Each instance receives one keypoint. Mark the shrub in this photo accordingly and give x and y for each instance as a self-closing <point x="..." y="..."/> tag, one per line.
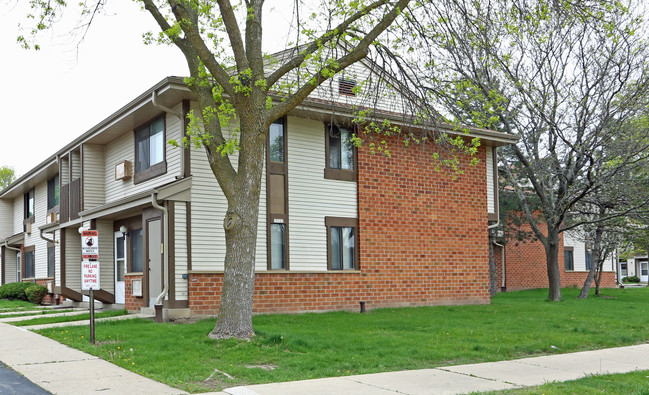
<point x="36" y="293"/>
<point x="631" y="279"/>
<point x="14" y="291"/>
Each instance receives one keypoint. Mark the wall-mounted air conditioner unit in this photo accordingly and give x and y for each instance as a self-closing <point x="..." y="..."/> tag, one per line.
<point x="50" y="286"/>
<point x="123" y="170"/>
<point x="28" y="228"/>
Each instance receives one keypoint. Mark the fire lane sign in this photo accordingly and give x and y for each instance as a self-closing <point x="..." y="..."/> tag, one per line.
<point x="89" y="275"/>
<point x="90" y="244"/>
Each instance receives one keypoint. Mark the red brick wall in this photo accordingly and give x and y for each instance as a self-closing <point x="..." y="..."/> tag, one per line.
<point x="50" y="298"/>
<point x="132" y="303"/>
<point x="526" y="268"/>
<point x="422" y="239"/>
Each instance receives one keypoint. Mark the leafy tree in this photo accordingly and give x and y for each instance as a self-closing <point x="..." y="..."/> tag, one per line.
<point x="7" y="176"/>
<point x="240" y="91"/>
<point x="566" y="77"/>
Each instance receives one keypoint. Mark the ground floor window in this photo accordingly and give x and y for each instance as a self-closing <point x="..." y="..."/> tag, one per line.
<point x="644" y="269"/>
<point x="29" y="263"/>
<point x="277" y="246"/>
<point x="623" y="268"/>
<point x="569" y="260"/>
<point x="50" y="260"/>
<point x="342" y="251"/>
<point x="136" y="251"/>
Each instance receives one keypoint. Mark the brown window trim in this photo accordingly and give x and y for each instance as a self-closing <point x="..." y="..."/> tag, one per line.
<point x="343" y="222"/>
<point x="283" y="219"/>
<point x="572" y="249"/>
<point x="159" y="168"/>
<point x="23" y="262"/>
<point x="152" y="172"/>
<point x="338" y="174"/>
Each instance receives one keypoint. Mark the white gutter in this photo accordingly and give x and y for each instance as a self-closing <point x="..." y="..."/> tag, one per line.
<point x="502" y="257"/>
<point x="154" y="102"/>
<point x="165" y="246"/>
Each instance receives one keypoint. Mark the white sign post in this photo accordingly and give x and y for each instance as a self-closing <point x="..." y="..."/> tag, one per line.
<point x="90" y="271"/>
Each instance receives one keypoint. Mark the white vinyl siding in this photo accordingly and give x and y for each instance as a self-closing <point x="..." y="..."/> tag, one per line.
<point x="579" y="250"/>
<point x="123" y="148"/>
<point x="489" y="161"/>
<point x="93" y="176"/>
<point x="207" y="212"/>
<point x="10" y="266"/>
<point x="311" y="197"/>
<point x="57" y="258"/>
<point x="34" y="239"/>
<point x="180" y="246"/>
<point x="19" y="215"/>
<point x="6" y="219"/>
<point x="106" y="255"/>
<point x="73" y="259"/>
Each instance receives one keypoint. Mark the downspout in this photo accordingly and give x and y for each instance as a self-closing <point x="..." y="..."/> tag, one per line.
<point x="46" y="239"/>
<point x="502" y="257"/>
<point x="154" y="102"/>
<point x="11" y="248"/>
<point x="165" y="258"/>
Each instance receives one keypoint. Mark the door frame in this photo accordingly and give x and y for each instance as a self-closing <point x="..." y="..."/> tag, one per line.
<point x="148" y="215"/>
<point x="116" y="236"/>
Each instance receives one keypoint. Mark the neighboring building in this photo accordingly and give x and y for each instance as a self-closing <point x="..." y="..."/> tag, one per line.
<point x="637" y="265"/>
<point x="526" y="268"/>
<point x="337" y="226"/>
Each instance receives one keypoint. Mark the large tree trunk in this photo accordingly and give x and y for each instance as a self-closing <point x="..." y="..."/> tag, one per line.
<point x="240" y="224"/>
<point x="594" y="263"/>
<point x="552" y="262"/>
<point x="493" y="274"/>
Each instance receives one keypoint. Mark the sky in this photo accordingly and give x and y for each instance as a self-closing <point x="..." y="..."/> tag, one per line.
<point x="54" y="95"/>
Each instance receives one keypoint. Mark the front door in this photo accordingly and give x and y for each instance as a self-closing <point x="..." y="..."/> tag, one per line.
<point x="120" y="267"/>
<point x="154" y="240"/>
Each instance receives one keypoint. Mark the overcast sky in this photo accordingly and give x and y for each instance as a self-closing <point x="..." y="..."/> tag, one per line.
<point x="54" y="95"/>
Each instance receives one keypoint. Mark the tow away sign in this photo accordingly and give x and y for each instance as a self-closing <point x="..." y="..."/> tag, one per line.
<point x="89" y="275"/>
<point x="90" y="244"/>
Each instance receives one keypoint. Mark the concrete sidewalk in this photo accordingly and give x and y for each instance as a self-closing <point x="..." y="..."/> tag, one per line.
<point x="63" y="370"/>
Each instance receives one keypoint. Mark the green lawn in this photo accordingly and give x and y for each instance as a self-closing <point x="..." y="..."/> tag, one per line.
<point x="304" y="346"/>
<point x="17" y="305"/>
<point x="634" y="383"/>
<point x="68" y="318"/>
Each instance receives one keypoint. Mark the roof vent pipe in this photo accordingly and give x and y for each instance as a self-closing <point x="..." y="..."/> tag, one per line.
<point x="154" y="102"/>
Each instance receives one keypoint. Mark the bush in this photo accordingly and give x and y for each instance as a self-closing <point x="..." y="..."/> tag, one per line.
<point x="13" y="291"/>
<point x="36" y="293"/>
<point x="632" y="279"/>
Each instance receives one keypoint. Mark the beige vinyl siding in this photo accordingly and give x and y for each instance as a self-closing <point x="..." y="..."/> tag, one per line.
<point x="579" y="252"/>
<point x="73" y="259"/>
<point x="489" y="161"/>
<point x="18" y="214"/>
<point x="34" y="239"/>
<point x="207" y="212"/>
<point x="106" y="255"/>
<point x="93" y="176"/>
<point x="123" y="148"/>
<point x="311" y="197"/>
<point x="6" y="219"/>
<point x="180" y="248"/>
<point x="76" y="165"/>
<point x="10" y="266"/>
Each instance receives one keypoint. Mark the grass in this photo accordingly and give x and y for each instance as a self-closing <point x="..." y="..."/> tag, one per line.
<point x="68" y="318"/>
<point x="634" y="383"/>
<point x="17" y="305"/>
<point x="305" y="346"/>
<point x="25" y="313"/>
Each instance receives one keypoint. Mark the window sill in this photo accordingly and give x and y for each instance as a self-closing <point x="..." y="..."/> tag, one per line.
<point x="338" y="174"/>
<point x="152" y="172"/>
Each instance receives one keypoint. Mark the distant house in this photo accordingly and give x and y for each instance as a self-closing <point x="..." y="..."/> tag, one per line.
<point x="525" y="264"/>
<point x="337" y="225"/>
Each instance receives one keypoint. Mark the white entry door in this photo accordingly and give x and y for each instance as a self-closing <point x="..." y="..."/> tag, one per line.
<point x="120" y="267"/>
<point x="155" y="260"/>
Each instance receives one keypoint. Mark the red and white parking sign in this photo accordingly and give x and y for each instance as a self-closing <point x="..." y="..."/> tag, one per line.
<point x="89" y="275"/>
<point x="90" y="244"/>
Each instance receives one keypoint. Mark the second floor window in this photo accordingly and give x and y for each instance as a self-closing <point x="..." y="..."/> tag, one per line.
<point x="53" y="192"/>
<point x="29" y="204"/>
<point x="150" y="150"/>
